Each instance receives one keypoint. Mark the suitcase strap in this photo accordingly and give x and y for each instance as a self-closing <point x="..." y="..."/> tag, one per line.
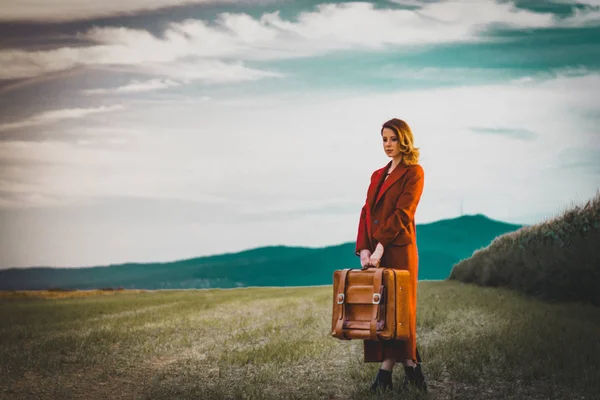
<point x="341" y="301"/>
<point x="377" y="298"/>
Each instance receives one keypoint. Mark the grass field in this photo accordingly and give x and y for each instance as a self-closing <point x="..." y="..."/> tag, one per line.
<point x="274" y="343"/>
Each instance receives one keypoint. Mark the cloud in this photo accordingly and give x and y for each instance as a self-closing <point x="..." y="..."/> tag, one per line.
<point x="408" y="3"/>
<point x="588" y="15"/>
<point x="436" y="75"/>
<point x="241" y="37"/>
<point x="595" y="3"/>
<point x="520" y="134"/>
<point x="582" y="17"/>
<point x="49" y="117"/>
<point x="585" y="160"/>
<point x="244" y="145"/>
<point x="22" y="64"/>
<point x="81" y="132"/>
<point x="262" y="169"/>
<point x="208" y="71"/>
<point x="71" y="10"/>
<point x="136" y="87"/>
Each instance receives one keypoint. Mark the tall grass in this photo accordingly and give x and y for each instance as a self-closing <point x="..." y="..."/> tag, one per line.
<point x="558" y="259"/>
<point x="275" y="343"/>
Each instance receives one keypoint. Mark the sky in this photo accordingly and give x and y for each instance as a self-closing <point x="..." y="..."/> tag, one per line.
<point x="159" y="130"/>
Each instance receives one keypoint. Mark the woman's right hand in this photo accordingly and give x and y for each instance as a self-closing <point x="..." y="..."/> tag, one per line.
<point x="365" y="258"/>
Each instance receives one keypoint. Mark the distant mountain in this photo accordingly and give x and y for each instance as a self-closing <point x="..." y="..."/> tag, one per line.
<point x="444" y="243"/>
<point x="441" y="245"/>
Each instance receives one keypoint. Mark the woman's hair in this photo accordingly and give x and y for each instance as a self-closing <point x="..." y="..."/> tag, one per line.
<point x="405" y="137"/>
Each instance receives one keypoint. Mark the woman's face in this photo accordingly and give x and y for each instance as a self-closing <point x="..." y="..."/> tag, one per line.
<point x="391" y="144"/>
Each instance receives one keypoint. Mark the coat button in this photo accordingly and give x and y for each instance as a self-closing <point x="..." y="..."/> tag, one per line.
<point x="376" y="221"/>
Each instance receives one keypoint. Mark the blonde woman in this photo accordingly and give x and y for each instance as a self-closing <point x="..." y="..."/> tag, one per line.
<point x="387" y="237"/>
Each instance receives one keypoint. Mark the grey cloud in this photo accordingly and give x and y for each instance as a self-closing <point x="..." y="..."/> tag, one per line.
<point x="136" y="87"/>
<point x="71" y="10"/>
<point x="330" y="27"/>
<point x="584" y="159"/>
<point x="49" y="117"/>
<point x="78" y="134"/>
<point x="515" y="133"/>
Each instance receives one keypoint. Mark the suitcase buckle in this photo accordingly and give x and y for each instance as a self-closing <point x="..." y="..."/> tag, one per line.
<point x="376" y="298"/>
<point x="340" y="299"/>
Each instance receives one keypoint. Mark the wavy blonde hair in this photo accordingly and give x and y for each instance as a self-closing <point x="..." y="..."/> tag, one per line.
<point x="410" y="153"/>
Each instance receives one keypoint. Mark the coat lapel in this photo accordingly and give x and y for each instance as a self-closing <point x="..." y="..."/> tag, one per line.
<point x="396" y="174"/>
<point x="371" y="200"/>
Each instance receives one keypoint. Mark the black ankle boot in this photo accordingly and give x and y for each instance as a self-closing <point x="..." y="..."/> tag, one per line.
<point x="414" y="376"/>
<point x="383" y="380"/>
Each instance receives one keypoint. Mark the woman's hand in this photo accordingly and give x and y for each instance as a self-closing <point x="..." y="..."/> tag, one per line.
<point x="365" y="255"/>
<point x="376" y="256"/>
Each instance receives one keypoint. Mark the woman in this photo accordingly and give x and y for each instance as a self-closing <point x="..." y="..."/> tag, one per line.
<point x="387" y="237"/>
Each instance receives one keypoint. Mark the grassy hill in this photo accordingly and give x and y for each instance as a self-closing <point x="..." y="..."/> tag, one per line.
<point x="558" y="259"/>
<point x="441" y="245"/>
<point x="273" y="343"/>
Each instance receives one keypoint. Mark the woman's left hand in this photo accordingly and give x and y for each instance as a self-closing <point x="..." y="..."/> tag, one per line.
<point x="377" y="254"/>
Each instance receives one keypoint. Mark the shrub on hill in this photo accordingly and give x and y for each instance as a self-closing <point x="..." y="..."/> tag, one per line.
<point x="558" y="259"/>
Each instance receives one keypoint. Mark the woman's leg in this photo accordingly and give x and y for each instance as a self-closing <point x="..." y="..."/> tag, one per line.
<point x="388" y="364"/>
<point x="409" y="363"/>
<point x="383" y="379"/>
<point x="414" y="374"/>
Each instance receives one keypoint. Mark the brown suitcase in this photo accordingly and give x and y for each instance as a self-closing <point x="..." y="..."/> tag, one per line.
<point x="371" y="304"/>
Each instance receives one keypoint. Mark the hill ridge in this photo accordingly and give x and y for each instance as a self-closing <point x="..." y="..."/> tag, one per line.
<point x="441" y="244"/>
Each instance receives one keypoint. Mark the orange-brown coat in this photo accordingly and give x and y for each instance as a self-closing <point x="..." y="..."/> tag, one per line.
<point x="388" y="218"/>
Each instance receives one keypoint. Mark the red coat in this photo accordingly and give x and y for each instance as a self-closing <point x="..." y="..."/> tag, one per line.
<point x="388" y="218"/>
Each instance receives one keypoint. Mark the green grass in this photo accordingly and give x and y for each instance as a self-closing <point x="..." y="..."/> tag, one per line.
<point x="274" y="343"/>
